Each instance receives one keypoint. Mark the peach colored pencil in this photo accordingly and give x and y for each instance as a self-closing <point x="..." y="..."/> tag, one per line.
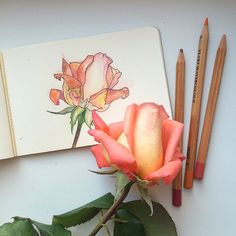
<point x="210" y="109"/>
<point x="196" y="106"/>
<point x="179" y="116"/>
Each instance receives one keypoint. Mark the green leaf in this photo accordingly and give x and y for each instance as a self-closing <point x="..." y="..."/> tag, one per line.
<point x="121" y="182"/>
<point x="64" y="111"/>
<point x="51" y="230"/>
<point x="76" y="115"/>
<point x="106" y="172"/>
<point x="127" y="224"/>
<point x="159" y="224"/>
<point x="88" y="118"/>
<point x="19" y="227"/>
<point x="84" y="213"/>
<point x="146" y="197"/>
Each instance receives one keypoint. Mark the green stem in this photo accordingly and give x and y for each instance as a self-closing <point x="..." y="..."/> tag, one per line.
<point x="111" y="211"/>
<point x="77" y="134"/>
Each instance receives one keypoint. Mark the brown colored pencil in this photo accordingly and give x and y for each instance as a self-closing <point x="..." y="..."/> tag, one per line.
<point x="210" y="109"/>
<point x="179" y="116"/>
<point x="196" y="106"/>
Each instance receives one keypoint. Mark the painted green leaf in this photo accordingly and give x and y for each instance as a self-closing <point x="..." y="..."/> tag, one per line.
<point x="76" y="115"/>
<point x="159" y="224"/>
<point x="84" y="213"/>
<point x="88" y="118"/>
<point x="19" y="227"/>
<point x="51" y="230"/>
<point x="127" y="224"/>
<point x="64" y="111"/>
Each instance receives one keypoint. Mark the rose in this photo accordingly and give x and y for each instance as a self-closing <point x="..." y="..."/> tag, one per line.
<point x="144" y="145"/>
<point x="89" y="84"/>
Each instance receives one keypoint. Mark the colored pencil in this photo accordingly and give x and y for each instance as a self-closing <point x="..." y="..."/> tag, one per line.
<point x="196" y="106"/>
<point x="210" y="109"/>
<point x="179" y="116"/>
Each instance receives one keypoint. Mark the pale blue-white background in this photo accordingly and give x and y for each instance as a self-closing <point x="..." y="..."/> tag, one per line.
<point x="42" y="185"/>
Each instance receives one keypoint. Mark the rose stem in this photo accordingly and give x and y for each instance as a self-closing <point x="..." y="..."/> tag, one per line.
<point x="111" y="210"/>
<point x="77" y="134"/>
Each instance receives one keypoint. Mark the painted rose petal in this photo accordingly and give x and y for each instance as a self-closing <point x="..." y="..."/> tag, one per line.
<point x="113" y="95"/>
<point x="98" y="152"/>
<point x="66" y="67"/>
<point x="74" y="68"/>
<point x="81" y="72"/>
<point x="96" y="75"/>
<point x="112" y="77"/>
<point x="99" y="123"/>
<point x="171" y="133"/>
<point x="98" y="99"/>
<point x="168" y="172"/>
<point x="55" y="95"/>
<point x="120" y="156"/>
<point x="69" y="80"/>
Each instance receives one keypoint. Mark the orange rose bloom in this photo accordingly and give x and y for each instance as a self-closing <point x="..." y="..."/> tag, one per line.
<point x="143" y="145"/>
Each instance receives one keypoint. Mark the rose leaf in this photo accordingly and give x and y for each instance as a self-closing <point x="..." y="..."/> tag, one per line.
<point x="84" y="213"/>
<point x="158" y="224"/>
<point x="126" y="224"/>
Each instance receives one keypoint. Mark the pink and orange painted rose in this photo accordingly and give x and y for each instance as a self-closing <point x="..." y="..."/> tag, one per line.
<point x="89" y="84"/>
<point x="143" y="145"/>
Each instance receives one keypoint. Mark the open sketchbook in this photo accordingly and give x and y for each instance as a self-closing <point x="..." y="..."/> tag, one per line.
<point x="47" y="91"/>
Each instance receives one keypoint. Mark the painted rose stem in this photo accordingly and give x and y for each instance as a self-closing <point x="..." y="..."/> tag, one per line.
<point x="77" y="133"/>
<point x="112" y="210"/>
<point x="89" y="85"/>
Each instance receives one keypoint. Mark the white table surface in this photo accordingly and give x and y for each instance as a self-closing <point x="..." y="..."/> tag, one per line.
<point x="42" y="185"/>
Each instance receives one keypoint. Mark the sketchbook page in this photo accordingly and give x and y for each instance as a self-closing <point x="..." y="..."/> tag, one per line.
<point x="118" y="69"/>
<point x="6" y="149"/>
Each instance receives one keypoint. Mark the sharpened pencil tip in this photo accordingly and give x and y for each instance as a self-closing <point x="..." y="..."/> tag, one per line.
<point x="206" y="21"/>
<point x="181" y="50"/>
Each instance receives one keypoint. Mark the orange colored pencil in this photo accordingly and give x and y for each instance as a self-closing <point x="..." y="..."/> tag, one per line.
<point x="210" y="109"/>
<point x="179" y="116"/>
<point x="196" y="106"/>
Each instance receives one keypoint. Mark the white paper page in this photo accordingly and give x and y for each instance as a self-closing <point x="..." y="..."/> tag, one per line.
<point x="6" y="150"/>
<point x="30" y="76"/>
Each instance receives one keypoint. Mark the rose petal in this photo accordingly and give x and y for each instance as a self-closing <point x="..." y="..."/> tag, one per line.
<point x="168" y="172"/>
<point x="74" y="68"/>
<point x="99" y="123"/>
<point x="98" y="152"/>
<point x="119" y="155"/>
<point x="171" y="134"/>
<point x="66" y="67"/>
<point x="116" y="129"/>
<point x="129" y="122"/>
<point x="112" y="77"/>
<point x="98" y="99"/>
<point x="96" y="75"/>
<point x="69" y="80"/>
<point x="147" y="148"/>
<point x="81" y="72"/>
<point x="55" y="95"/>
<point x="113" y="95"/>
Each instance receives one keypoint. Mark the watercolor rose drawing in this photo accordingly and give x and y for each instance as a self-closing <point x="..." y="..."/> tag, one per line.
<point x="88" y="86"/>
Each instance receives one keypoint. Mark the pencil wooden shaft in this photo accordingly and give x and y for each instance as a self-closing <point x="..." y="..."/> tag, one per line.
<point x="196" y="107"/>
<point x="179" y="99"/>
<point x="211" y="103"/>
<point x="179" y="116"/>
